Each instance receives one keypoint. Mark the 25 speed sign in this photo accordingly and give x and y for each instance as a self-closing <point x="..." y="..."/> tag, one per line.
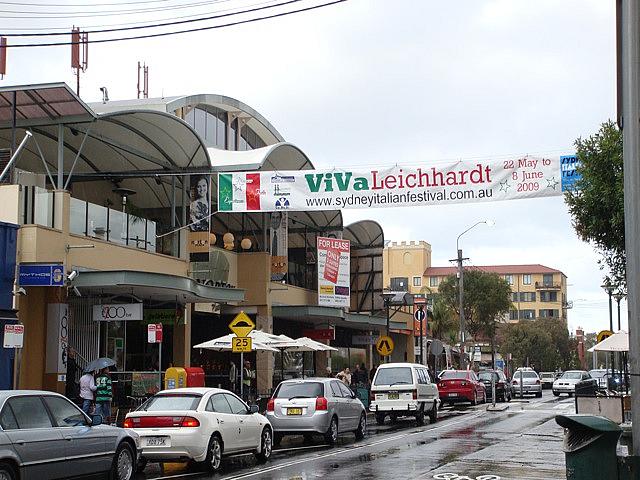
<point x="241" y="344"/>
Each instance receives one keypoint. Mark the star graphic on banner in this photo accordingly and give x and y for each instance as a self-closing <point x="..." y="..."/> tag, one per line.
<point x="552" y="182"/>
<point x="504" y="186"/>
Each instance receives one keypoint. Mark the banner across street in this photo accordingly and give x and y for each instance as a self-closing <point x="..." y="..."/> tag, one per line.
<point x="455" y="182"/>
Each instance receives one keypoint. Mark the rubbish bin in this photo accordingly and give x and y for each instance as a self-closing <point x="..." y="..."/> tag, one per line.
<point x="590" y="446"/>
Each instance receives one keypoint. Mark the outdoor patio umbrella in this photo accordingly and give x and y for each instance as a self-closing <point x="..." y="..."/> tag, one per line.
<point x="317" y="346"/>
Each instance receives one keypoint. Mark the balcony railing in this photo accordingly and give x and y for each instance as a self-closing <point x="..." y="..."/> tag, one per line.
<point x="548" y="286"/>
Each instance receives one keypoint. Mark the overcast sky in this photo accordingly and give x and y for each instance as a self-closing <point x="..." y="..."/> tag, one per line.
<point x="394" y="81"/>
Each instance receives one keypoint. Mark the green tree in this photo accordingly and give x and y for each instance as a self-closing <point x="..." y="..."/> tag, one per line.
<point x="443" y="321"/>
<point x="597" y="203"/>
<point x="487" y="299"/>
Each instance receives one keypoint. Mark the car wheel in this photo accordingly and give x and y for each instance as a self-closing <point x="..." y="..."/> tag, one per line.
<point x="380" y="418"/>
<point x="556" y="394"/>
<point x="123" y="463"/>
<point x="7" y="472"/>
<point x="420" y="416"/>
<point x="474" y="402"/>
<point x="433" y="413"/>
<point x="266" y="445"/>
<point x="362" y="427"/>
<point x="140" y="466"/>
<point x="393" y="417"/>
<point x="214" y="454"/>
<point x="277" y="439"/>
<point x="331" y="436"/>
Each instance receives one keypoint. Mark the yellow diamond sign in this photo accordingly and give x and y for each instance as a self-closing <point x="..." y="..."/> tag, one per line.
<point x="384" y="345"/>
<point x="242" y="325"/>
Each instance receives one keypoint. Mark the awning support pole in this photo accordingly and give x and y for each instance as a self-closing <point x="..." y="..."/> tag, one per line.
<point x="60" y="184"/>
<point x="73" y="166"/>
<point x="13" y="158"/>
<point x="44" y="162"/>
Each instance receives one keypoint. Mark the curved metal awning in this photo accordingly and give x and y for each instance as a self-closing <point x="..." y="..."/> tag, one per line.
<point x="365" y="234"/>
<point x="321" y="315"/>
<point x="281" y="156"/>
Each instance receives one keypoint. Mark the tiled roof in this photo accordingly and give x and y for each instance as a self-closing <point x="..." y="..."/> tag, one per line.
<point x="500" y="269"/>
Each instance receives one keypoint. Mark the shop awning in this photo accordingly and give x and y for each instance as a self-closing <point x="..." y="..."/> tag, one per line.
<point x="153" y="286"/>
<point x="334" y="316"/>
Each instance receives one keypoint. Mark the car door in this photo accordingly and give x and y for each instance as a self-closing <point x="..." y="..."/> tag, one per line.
<point x="225" y="422"/>
<point x="249" y="427"/>
<point x="351" y="412"/>
<point x="336" y="401"/>
<point x="39" y="445"/>
<point x="85" y="446"/>
<point x="430" y="387"/>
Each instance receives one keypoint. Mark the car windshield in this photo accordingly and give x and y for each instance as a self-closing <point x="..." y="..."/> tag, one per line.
<point x="171" y="402"/>
<point x="300" y="390"/>
<point x="452" y="374"/>
<point x="394" y="376"/>
<point x="597" y="373"/>
<point x="487" y="376"/>
<point x="572" y="375"/>
<point x="525" y="374"/>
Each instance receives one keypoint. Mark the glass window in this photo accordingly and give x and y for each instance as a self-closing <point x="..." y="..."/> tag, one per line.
<point x="30" y="412"/>
<point x="509" y="279"/>
<point x="394" y="376"/>
<point x="221" y="129"/>
<point x="335" y="389"/>
<point x="77" y="216"/>
<point x="527" y="296"/>
<point x="172" y="402"/>
<point x="526" y="279"/>
<point x="513" y="314"/>
<point x="547" y="279"/>
<point x="453" y="374"/>
<point x="232" y="136"/>
<point x="300" y="390"/>
<point x="346" y="393"/>
<point x="238" y="407"/>
<point x="117" y="227"/>
<point x="548" y="296"/>
<point x="137" y="232"/>
<point x="64" y="413"/>
<point x="417" y="281"/>
<point x="219" y="404"/>
<point x="7" y="419"/>
<point x="527" y="314"/>
<point x="96" y="221"/>
<point x="488" y="375"/>
<point x="433" y="281"/>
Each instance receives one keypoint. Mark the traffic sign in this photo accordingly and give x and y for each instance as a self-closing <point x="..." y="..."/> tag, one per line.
<point x="384" y="345"/>
<point x="419" y="315"/>
<point x="241" y="344"/>
<point x="242" y="325"/>
<point x="604" y="334"/>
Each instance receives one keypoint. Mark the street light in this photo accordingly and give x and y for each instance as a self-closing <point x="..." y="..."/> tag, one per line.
<point x="619" y="296"/>
<point x="387" y="296"/>
<point x="459" y="259"/>
<point x="609" y="288"/>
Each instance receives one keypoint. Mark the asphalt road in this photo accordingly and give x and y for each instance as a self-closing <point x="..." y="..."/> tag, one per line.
<point x="522" y="442"/>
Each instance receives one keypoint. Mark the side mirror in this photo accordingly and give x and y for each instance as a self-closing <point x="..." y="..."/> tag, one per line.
<point x="254" y="409"/>
<point x="96" y="420"/>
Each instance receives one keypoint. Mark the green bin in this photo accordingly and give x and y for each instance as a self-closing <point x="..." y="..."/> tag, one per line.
<point x="590" y="446"/>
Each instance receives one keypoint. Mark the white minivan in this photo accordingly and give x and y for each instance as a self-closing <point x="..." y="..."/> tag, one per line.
<point x="403" y="389"/>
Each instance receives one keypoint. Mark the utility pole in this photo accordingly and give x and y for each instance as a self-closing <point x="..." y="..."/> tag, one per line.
<point x="461" y="307"/>
<point x="630" y="59"/>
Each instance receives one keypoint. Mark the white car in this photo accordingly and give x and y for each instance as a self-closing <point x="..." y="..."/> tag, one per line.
<point x="200" y="424"/>
<point x="402" y="389"/>
<point x="567" y="382"/>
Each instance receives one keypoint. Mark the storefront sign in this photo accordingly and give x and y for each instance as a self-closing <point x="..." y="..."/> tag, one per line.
<point x="320" y="334"/>
<point x="13" y="336"/>
<point x="41" y="275"/>
<point x="334" y="266"/>
<point x="363" y="340"/>
<point x="116" y="312"/>
<point x="154" y="333"/>
<point x="446" y="183"/>
<point x="57" y="337"/>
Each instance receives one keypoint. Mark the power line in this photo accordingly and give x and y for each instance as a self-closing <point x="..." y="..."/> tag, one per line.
<point x="31" y="4"/>
<point x="164" y="34"/>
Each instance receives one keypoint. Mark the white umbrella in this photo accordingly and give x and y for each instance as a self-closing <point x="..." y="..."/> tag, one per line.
<point x="618" y="342"/>
<point x="316" y="346"/>
<point x="224" y="343"/>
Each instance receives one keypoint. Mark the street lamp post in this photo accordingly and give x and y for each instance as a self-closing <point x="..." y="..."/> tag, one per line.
<point x="618" y="296"/>
<point x="386" y="297"/>
<point x="459" y="260"/>
<point x="609" y="288"/>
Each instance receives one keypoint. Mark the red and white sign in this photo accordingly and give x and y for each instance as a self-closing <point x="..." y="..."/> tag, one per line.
<point x="419" y="300"/>
<point x="320" y="334"/>
<point x="13" y="336"/>
<point x="154" y="333"/>
<point x="334" y="264"/>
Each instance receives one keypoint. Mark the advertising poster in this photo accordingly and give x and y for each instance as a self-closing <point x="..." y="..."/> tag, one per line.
<point x="333" y="272"/>
<point x="279" y="238"/>
<point x="57" y="337"/>
<point x="199" y="213"/>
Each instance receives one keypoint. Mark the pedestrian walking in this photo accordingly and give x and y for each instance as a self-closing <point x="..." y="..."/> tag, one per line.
<point x="87" y="391"/>
<point x="345" y="376"/>
<point x="104" y="395"/>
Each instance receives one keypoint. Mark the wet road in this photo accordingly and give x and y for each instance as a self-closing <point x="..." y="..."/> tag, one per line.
<point x="522" y="442"/>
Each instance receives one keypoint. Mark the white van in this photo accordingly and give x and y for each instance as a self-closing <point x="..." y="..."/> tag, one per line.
<point x="403" y="389"/>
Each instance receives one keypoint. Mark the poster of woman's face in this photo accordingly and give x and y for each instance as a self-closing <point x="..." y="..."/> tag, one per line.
<point x="200" y="206"/>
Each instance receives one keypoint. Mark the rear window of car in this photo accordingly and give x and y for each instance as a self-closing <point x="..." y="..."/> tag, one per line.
<point x="526" y="374"/>
<point x="300" y="390"/>
<point x="488" y="375"/>
<point x="394" y="376"/>
<point x="449" y="375"/>
<point x="171" y="402"/>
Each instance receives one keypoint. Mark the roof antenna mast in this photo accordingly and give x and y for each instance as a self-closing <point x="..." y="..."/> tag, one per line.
<point x="79" y="53"/>
<point x="144" y="68"/>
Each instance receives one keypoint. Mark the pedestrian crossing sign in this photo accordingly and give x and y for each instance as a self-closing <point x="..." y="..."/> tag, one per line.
<point x="384" y="345"/>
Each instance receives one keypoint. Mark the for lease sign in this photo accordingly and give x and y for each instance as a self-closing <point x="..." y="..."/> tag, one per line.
<point x="333" y="272"/>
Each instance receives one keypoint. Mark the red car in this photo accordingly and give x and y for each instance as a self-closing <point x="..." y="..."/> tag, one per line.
<point x="461" y="386"/>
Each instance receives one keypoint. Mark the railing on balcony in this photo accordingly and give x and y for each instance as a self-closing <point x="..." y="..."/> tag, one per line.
<point x="548" y="286"/>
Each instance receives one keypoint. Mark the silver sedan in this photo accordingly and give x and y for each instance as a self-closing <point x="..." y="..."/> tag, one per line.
<point x="316" y="405"/>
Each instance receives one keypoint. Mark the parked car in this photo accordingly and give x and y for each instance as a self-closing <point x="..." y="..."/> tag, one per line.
<point x="547" y="379"/>
<point x="316" y="405"/>
<point x="526" y="380"/>
<point x="44" y="435"/>
<point x="504" y="392"/>
<point x="199" y="424"/>
<point x="404" y="389"/>
<point x="461" y="386"/>
<point x="600" y="375"/>
<point x="567" y="382"/>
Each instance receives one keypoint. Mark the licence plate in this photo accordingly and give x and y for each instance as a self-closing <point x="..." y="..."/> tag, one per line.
<point x="294" y="411"/>
<point x="453" y="394"/>
<point x="156" y="441"/>
<point x="393" y="396"/>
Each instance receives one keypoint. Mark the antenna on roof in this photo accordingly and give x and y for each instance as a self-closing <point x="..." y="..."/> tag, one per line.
<point x="79" y="56"/>
<point x="145" y="80"/>
<point x="3" y="57"/>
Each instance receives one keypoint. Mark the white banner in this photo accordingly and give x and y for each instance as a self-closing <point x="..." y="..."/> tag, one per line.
<point x="113" y="312"/>
<point x="455" y="182"/>
<point x="334" y="267"/>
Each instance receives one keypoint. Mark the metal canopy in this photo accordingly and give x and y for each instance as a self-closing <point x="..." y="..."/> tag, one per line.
<point x="335" y="316"/>
<point x="365" y="234"/>
<point x="43" y="104"/>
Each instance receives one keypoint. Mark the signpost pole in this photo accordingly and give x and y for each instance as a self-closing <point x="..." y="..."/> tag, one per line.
<point x="160" y="364"/>
<point x="242" y="375"/>
<point x="493" y="389"/>
<point x="423" y="357"/>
